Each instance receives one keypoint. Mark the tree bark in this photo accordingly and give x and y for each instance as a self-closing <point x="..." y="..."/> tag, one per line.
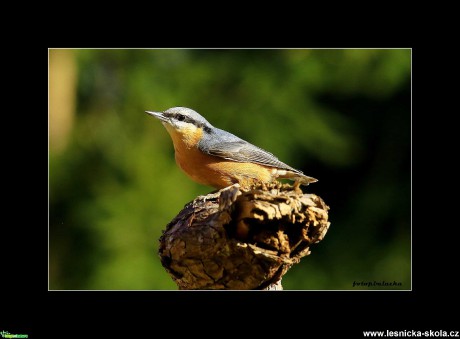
<point x="242" y="238"/>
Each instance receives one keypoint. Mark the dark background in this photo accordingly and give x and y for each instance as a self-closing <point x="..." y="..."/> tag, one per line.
<point x="342" y="116"/>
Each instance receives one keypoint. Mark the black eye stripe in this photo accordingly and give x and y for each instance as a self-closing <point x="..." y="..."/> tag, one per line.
<point x="169" y="115"/>
<point x="178" y="116"/>
<point x="186" y="118"/>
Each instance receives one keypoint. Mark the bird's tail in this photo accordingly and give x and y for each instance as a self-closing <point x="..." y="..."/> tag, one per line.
<point x="306" y="180"/>
<point x="299" y="177"/>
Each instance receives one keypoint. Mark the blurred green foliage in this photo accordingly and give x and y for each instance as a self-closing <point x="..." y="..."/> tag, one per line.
<point x="342" y="116"/>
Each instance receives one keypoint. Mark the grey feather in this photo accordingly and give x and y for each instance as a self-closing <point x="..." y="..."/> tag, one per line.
<point x="228" y="146"/>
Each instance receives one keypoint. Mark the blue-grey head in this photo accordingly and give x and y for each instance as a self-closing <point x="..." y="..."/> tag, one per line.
<point x="180" y="118"/>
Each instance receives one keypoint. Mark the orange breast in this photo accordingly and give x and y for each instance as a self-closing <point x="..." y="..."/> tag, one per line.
<point x="220" y="173"/>
<point x="214" y="171"/>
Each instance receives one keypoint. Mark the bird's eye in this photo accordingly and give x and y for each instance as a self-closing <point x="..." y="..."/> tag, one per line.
<point x="180" y="117"/>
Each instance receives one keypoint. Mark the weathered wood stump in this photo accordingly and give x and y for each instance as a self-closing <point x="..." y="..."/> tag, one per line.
<point x="242" y="239"/>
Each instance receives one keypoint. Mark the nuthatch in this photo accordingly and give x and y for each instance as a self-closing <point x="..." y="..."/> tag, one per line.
<point x="217" y="158"/>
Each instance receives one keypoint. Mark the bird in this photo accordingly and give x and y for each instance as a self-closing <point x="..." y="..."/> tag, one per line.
<point x="217" y="158"/>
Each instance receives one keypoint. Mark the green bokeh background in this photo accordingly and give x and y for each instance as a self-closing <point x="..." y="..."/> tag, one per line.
<point x="342" y="116"/>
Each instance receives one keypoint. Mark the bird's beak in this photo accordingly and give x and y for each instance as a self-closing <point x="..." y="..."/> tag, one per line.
<point x="158" y="115"/>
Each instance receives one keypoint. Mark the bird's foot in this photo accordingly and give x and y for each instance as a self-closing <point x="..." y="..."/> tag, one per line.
<point x="217" y="194"/>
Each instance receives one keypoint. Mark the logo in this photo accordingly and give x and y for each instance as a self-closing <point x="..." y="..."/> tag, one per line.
<point x="6" y="334"/>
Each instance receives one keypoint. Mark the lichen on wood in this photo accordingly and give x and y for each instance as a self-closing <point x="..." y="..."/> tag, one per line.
<point x="242" y="238"/>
